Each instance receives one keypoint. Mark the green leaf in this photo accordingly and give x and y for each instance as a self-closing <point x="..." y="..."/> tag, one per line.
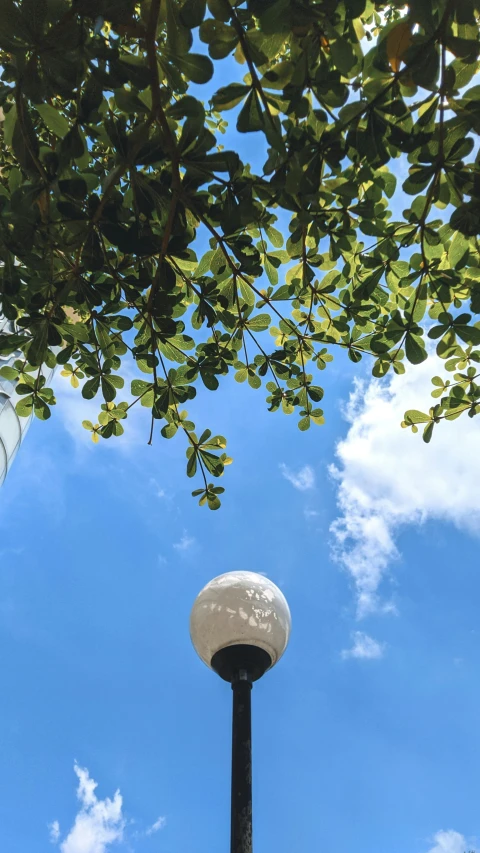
<point x="192" y="13"/>
<point x="241" y="375"/>
<point x="259" y="323"/>
<point x="90" y="388"/>
<point x="75" y="187"/>
<point x="420" y="302"/>
<point x="41" y="409"/>
<point x="427" y="432"/>
<point x="466" y="219"/>
<point x="198" y="68"/>
<point x="53" y="119"/>
<point x="250" y="117"/>
<point x="104" y="339"/>
<point x="92" y="253"/>
<point x="415" y="349"/>
<point x="458" y="250"/>
<point x="117" y="381"/>
<point x="9" y="125"/>
<point x="109" y="390"/>
<point x="219" y="9"/>
<point x="72" y="146"/>
<point x="461" y="73"/>
<point x="9" y="373"/>
<point x="247" y="293"/>
<point x="13" y="26"/>
<point x="24" y="406"/>
<point x="213" y="502"/>
<point x="35" y="12"/>
<point x="468" y="334"/>
<point x="192" y="465"/>
<point x="177" y="34"/>
<point x="37" y="349"/>
<point x="413" y="416"/>
<point x="228" y="97"/>
<point x="169" y="430"/>
<point x="220" y="37"/>
<point x="10" y="343"/>
<point x="275" y="237"/>
<point x="343" y="55"/>
<point x="139" y="386"/>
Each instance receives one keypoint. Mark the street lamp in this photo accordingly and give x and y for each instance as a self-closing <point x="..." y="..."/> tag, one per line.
<point x="240" y="625"/>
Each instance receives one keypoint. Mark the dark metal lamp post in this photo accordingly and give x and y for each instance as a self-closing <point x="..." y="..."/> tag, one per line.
<point x="240" y="625"/>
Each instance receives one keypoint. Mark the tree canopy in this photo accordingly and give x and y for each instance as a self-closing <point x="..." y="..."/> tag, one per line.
<point x="127" y="230"/>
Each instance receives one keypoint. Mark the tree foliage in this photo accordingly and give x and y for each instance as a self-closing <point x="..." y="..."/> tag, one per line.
<point x="128" y="231"/>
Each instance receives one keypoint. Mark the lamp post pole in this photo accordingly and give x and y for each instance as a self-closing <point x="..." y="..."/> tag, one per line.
<point x="241" y="825"/>
<point x="240" y="625"/>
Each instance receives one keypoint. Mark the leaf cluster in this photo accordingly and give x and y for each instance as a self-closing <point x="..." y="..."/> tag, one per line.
<point x="127" y="231"/>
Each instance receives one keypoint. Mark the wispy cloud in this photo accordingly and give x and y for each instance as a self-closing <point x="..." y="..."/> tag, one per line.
<point x="98" y="823"/>
<point x="12" y="552"/>
<point x="386" y="477"/>
<point x="450" y="841"/>
<point x="303" y="480"/>
<point x="155" y="827"/>
<point x="158" y="491"/>
<point x="184" y="543"/>
<point x="364" y="648"/>
<point x="54" y="830"/>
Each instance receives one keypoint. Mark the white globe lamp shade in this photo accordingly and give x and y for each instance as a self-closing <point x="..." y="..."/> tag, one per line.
<point x="240" y="620"/>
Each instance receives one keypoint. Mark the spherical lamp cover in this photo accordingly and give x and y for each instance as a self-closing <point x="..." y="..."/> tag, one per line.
<point x="240" y="608"/>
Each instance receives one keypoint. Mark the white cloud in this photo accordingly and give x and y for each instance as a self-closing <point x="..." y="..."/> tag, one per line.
<point x="54" y="829"/>
<point x="303" y="480"/>
<point x="155" y="827"/>
<point x="364" y="647"/>
<point x="310" y="513"/>
<point x="185" y="542"/>
<point x="449" y="841"/>
<point x="98" y="824"/>
<point x="388" y="477"/>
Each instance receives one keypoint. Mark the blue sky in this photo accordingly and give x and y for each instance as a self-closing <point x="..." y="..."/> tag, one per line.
<point x="365" y="735"/>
